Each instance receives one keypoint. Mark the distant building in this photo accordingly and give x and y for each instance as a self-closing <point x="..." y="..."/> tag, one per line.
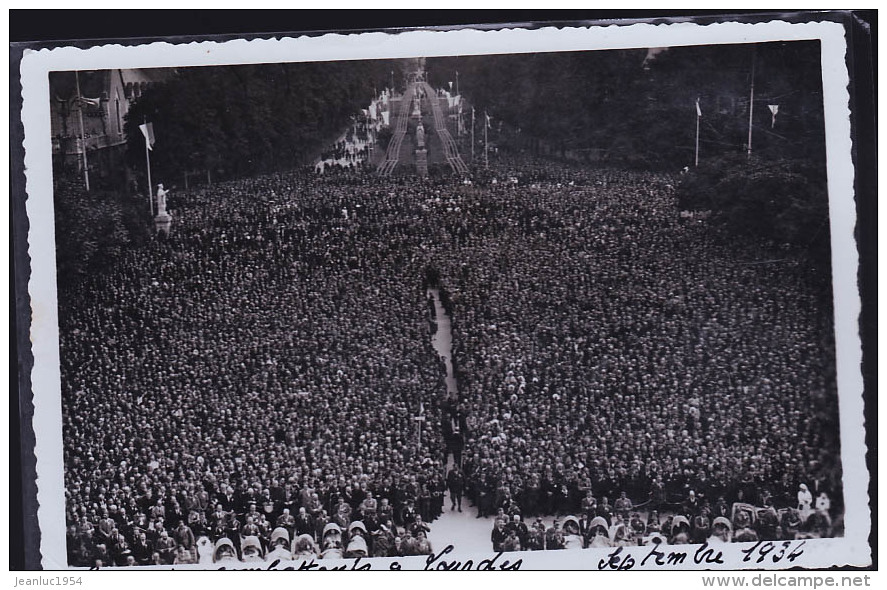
<point x="105" y="98"/>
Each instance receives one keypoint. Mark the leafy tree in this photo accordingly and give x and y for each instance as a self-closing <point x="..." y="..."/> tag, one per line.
<point x="638" y="108"/>
<point x="242" y="120"/>
<point x="781" y="200"/>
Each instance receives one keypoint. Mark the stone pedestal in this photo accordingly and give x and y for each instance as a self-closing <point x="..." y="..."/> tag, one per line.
<point x="163" y="222"/>
<point x="422" y="162"/>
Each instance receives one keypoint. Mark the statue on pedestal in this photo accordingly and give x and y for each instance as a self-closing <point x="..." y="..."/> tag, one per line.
<point x="163" y="220"/>
<point x="420" y="136"/>
<point x="161" y="200"/>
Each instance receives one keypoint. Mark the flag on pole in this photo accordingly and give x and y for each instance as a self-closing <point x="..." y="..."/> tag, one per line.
<point x="698" y="109"/>
<point x="489" y="126"/>
<point x="93" y="102"/>
<point x="148" y="131"/>
<point x="774" y="108"/>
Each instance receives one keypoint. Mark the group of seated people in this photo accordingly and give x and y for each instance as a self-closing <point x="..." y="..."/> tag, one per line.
<point x="695" y="521"/>
<point x="233" y="528"/>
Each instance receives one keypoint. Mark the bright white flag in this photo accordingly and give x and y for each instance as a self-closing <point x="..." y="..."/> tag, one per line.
<point x="774" y="108"/>
<point x="147" y="130"/>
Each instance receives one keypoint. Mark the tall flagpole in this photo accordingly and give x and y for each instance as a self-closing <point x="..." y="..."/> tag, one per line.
<point x="472" y="135"/>
<point x="82" y="135"/>
<point x="148" y="161"/>
<point x="486" y="146"/>
<point x="698" y="116"/>
<point x="751" y="99"/>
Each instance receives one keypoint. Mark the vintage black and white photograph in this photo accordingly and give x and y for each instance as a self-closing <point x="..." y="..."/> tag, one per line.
<point x="527" y="302"/>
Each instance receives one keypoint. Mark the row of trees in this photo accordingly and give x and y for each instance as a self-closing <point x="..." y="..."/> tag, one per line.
<point x="637" y="106"/>
<point x="236" y="121"/>
<point x="223" y="122"/>
<point x="628" y="107"/>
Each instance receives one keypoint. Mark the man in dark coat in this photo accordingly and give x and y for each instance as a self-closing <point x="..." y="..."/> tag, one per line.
<point x="304" y="523"/>
<point x="456" y="487"/>
<point x="498" y="535"/>
<point x="408" y="513"/>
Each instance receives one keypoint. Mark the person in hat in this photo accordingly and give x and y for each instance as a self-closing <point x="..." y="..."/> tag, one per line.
<point x="383" y="540"/>
<point x="554" y="536"/>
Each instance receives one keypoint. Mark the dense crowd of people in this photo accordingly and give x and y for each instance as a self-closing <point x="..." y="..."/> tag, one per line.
<point x="607" y="343"/>
<point x="275" y="349"/>
<point x="267" y="371"/>
<point x="695" y="520"/>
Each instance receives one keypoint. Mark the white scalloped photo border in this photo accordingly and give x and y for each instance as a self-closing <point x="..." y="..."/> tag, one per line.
<point x="851" y="549"/>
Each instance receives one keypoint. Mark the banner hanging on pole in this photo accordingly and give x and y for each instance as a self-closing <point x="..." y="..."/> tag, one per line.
<point x="82" y="100"/>
<point x="147" y="130"/>
<point x="774" y="108"/>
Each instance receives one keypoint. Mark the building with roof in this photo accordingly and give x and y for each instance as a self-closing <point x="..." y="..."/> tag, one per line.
<point x="88" y="112"/>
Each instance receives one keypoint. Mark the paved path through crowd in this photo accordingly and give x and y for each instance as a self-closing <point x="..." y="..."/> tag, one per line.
<point x="463" y="529"/>
<point x="442" y="340"/>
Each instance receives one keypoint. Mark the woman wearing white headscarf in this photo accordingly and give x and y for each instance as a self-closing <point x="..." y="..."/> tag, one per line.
<point x="805" y="501"/>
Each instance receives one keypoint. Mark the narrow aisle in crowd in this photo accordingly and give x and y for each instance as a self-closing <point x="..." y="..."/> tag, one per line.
<point x="463" y="530"/>
<point x="442" y="340"/>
